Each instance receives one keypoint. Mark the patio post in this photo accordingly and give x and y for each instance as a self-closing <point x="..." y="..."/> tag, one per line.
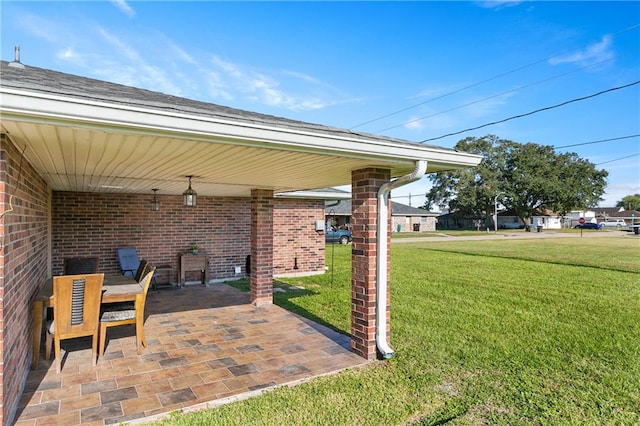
<point x="261" y="246"/>
<point x="365" y="184"/>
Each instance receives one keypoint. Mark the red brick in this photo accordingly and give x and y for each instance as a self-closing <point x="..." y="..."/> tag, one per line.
<point x="365" y="185"/>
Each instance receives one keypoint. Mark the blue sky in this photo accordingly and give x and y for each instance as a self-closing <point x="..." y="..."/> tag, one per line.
<point x="412" y="70"/>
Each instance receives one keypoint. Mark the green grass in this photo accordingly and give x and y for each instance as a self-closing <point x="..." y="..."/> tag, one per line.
<point x="485" y="332"/>
<point x="472" y="232"/>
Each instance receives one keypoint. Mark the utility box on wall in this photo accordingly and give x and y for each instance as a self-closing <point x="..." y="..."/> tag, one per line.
<point x="319" y="225"/>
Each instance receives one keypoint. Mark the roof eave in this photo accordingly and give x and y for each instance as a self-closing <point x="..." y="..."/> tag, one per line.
<point x="29" y="106"/>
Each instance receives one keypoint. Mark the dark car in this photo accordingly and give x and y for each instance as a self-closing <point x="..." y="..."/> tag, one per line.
<point x="334" y="235"/>
<point x="588" y="226"/>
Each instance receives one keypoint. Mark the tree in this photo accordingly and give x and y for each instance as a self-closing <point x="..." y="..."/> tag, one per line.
<point x="630" y="202"/>
<point x="471" y="192"/>
<point x="526" y="178"/>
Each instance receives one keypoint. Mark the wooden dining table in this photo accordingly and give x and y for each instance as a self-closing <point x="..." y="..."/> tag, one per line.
<point x="115" y="288"/>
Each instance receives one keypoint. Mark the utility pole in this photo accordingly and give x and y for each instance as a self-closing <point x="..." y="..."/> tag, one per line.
<point x="495" y="210"/>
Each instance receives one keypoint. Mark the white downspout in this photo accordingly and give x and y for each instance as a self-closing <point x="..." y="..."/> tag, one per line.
<point x="381" y="254"/>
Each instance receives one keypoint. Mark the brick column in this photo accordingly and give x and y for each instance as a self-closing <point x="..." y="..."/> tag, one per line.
<point x="364" y="197"/>
<point x="261" y="246"/>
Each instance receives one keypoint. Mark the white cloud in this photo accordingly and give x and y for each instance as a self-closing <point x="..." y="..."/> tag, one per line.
<point x="67" y="53"/>
<point x="155" y="62"/>
<point x="592" y="54"/>
<point x="468" y="112"/>
<point x="228" y="78"/>
<point x="484" y="107"/>
<point x="434" y="93"/>
<point x="127" y="66"/>
<point x="265" y="89"/>
<point x="43" y="28"/>
<point x="302" y="76"/>
<point x="498" y="4"/>
<point x="181" y="54"/>
<point x="216" y="86"/>
<point x="414" y="123"/>
<point x="617" y="192"/>
<point x="124" y="6"/>
<point x="122" y="48"/>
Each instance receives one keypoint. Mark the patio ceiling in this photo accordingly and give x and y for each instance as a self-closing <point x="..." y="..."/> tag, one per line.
<point x="92" y="136"/>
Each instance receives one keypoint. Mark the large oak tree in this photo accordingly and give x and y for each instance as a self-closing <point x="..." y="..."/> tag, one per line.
<point x="524" y="178"/>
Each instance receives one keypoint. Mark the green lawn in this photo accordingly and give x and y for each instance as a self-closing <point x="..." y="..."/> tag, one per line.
<point x="485" y="332"/>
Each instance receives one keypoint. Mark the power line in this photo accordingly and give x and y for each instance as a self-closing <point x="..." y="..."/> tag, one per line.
<point x="618" y="159"/>
<point x="534" y="112"/>
<point x="599" y="141"/>
<point x="494" y="96"/>
<point x="481" y="82"/>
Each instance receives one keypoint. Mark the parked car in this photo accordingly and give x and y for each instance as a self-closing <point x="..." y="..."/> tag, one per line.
<point x="335" y="235"/>
<point x="589" y="225"/>
<point x="614" y="223"/>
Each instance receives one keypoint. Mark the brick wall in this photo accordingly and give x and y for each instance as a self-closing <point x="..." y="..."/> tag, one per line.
<point x="299" y="249"/>
<point x="93" y="224"/>
<point x="23" y="267"/>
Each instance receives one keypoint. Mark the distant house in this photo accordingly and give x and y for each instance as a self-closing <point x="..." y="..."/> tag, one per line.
<point x="506" y="220"/>
<point x="403" y="218"/>
<point x="546" y="219"/>
<point x="542" y="219"/>
<point x="574" y="216"/>
<point x="406" y="218"/>
<point x="601" y="214"/>
<point x="454" y="220"/>
<point x="629" y="216"/>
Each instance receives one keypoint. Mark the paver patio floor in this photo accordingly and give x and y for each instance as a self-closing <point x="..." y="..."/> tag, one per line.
<point x="205" y="345"/>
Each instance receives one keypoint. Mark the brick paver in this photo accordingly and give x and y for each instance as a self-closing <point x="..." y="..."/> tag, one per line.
<point x="205" y="344"/>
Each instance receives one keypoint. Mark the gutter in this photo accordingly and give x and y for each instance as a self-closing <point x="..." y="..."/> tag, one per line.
<point x="381" y="254"/>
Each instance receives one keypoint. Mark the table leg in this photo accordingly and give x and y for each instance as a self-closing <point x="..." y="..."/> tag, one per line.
<point x="37" y="310"/>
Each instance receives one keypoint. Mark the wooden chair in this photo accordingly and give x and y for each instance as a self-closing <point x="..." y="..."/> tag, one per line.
<point x="141" y="271"/>
<point x="115" y="314"/>
<point x="76" y="312"/>
<point x="80" y="265"/>
<point x="129" y="256"/>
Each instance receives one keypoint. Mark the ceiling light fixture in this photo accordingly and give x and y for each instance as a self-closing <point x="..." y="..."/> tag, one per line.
<point x="155" y="203"/>
<point x="190" y="195"/>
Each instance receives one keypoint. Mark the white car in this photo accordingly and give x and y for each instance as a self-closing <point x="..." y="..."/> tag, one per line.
<point x="614" y="223"/>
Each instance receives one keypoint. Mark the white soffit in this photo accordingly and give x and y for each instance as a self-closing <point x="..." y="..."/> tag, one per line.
<point x="83" y="145"/>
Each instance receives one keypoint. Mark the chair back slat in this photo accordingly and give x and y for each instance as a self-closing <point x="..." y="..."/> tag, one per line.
<point x="77" y="301"/>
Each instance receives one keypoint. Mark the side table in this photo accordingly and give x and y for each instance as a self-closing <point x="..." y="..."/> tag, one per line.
<point x="169" y="273"/>
<point x="190" y="262"/>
